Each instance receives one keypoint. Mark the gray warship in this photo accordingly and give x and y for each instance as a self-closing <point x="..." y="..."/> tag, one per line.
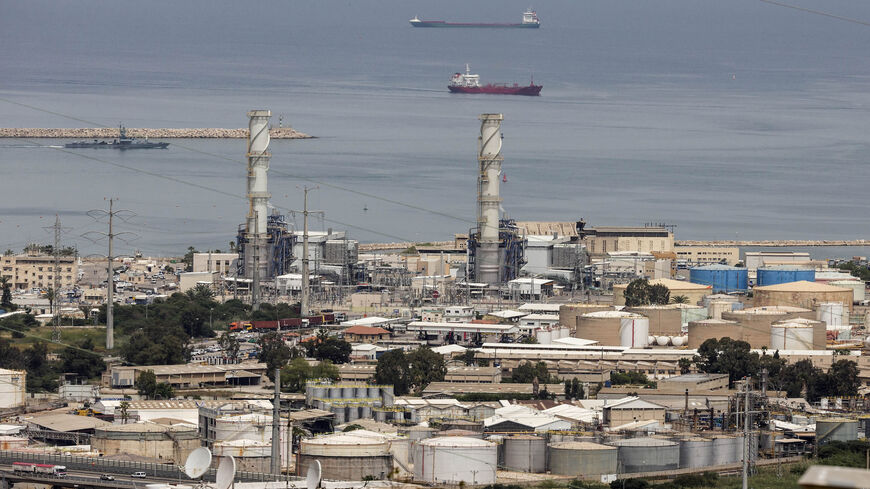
<point x="123" y="143"/>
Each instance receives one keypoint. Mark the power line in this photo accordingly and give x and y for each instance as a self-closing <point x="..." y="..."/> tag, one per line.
<point x="818" y="12"/>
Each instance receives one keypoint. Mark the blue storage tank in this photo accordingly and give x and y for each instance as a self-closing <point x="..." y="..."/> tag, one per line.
<point x="783" y="274"/>
<point x="723" y="278"/>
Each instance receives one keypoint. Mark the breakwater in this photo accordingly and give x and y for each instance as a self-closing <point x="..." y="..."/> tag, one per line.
<point x="778" y="243"/>
<point x="112" y="132"/>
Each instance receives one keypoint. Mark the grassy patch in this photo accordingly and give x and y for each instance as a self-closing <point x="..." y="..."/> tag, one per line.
<point x="69" y="336"/>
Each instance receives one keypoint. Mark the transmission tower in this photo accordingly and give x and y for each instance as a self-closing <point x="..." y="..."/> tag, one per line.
<point x="123" y="214"/>
<point x="55" y="282"/>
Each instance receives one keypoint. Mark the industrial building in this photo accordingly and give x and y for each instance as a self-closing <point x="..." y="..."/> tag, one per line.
<point x="694" y="256"/>
<point x="12" y="388"/>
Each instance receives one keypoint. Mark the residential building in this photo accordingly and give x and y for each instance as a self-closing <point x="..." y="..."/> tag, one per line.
<point x="365" y="334"/>
<point x="707" y="255"/>
<point x="222" y="263"/>
<point x="36" y="270"/>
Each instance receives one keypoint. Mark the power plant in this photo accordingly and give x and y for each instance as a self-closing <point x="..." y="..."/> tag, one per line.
<point x="264" y="242"/>
<point x="495" y="248"/>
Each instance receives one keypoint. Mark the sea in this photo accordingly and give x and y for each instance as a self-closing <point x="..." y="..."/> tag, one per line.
<point x="730" y="120"/>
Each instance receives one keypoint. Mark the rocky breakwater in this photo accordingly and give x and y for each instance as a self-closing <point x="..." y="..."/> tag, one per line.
<point x="112" y="132"/>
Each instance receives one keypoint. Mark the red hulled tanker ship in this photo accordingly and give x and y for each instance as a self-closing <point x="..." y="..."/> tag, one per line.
<point x="468" y="83"/>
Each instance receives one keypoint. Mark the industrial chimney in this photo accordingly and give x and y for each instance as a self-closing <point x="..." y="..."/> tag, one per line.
<point x="258" y="192"/>
<point x="488" y="201"/>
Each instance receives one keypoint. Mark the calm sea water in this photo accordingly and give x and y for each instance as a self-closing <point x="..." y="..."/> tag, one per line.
<point x="728" y="119"/>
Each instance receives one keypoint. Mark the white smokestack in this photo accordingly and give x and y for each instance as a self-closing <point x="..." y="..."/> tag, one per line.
<point x="488" y="200"/>
<point x="258" y="166"/>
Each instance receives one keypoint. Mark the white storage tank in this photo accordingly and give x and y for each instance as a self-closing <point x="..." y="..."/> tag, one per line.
<point x="634" y="331"/>
<point x="718" y="298"/>
<point x="455" y="459"/>
<point x="545" y="337"/>
<point x="716" y="308"/>
<point x="348" y="456"/>
<point x="791" y="336"/>
<point x="858" y="289"/>
<point x="696" y="452"/>
<point x="576" y="458"/>
<point x="647" y="454"/>
<point x="663" y="340"/>
<point x="525" y="453"/>
<point x="679" y="340"/>
<point x="836" y="429"/>
<point x="725" y="449"/>
<point x="831" y="313"/>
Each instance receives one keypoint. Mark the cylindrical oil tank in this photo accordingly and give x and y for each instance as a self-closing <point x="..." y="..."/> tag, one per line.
<point x="603" y="326"/>
<point x="380" y="415"/>
<point x="831" y="313"/>
<point x="723" y="278"/>
<point x="362" y="392"/>
<point x="578" y="458"/>
<point x="365" y="412"/>
<point x="725" y="449"/>
<point x="321" y="392"/>
<point x="791" y="336"/>
<point x="455" y="459"/>
<point x="374" y="392"/>
<point x="701" y="331"/>
<point x="755" y="324"/>
<point x="525" y="453"/>
<point x="864" y="425"/>
<point x="387" y="394"/>
<point x="352" y="413"/>
<point x="345" y="456"/>
<point x="689" y="312"/>
<point x="663" y="320"/>
<point x="348" y="392"/>
<point x="836" y="429"/>
<point x="339" y="411"/>
<point x="859" y="292"/>
<point x="647" y="454"/>
<point x="738" y="447"/>
<point x="544" y="336"/>
<point x="335" y="392"/>
<point x="718" y="298"/>
<point x="679" y="340"/>
<point x="718" y="307"/>
<point x="634" y="332"/>
<point x="564" y="332"/>
<point x="415" y="435"/>
<point x="569" y="314"/>
<point x="783" y="274"/>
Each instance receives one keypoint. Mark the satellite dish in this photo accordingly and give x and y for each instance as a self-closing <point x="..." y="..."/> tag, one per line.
<point x="312" y="480"/>
<point x="197" y="462"/>
<point x="226" y="473"/>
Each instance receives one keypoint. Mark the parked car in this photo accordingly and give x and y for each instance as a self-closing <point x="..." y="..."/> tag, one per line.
<point x="107" y="477"/>
<point x="138" y="475"/>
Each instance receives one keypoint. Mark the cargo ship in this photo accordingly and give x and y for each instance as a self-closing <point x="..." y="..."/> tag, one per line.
<point x="468" y="83"/>
<point x="530" y="21"/>
<point x="123" y="142"/>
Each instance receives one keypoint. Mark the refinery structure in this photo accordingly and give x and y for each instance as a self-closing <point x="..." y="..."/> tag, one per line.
<point x="514" y="352"/>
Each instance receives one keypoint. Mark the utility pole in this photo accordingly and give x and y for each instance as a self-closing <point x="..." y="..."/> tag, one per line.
<point x="110" y="282"/>
<point x="303" y="306"/>
<point x="746" y="440"/>
<point x="55" y="331"/>
<point x="276" y="427"/>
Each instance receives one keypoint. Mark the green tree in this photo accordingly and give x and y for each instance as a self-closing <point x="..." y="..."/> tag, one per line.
<point x="42" y="373"/>
<point x="685" y="365"/>
<point x="426" y="367"/>
<point x="727" y="356"/>
<point x="296" y="373"/>
<point x="680" y="299"/>
<point x="146" y="384"/>
<point x="82" y="360"/>
<point x="6" y="297"/>
<point x="273" y="352"/>
<point x="467" y="357"/>
<point x="230" y="346"/>
<point x="156" y="345"/>
<point x="188" y="259"/>
<point x="393" y="369"/>
<point x="640" y="292"/>
<point x="842" y="379"/>
<point x="527" y="372"/>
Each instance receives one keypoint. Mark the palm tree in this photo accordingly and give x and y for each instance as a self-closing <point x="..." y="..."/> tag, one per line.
<point x="680" y="299"/>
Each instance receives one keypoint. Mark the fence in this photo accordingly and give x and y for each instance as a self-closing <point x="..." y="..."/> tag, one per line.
<point x="102" y="465"/>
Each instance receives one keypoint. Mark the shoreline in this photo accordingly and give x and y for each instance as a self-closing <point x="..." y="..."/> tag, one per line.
<point x="145" y="133"/>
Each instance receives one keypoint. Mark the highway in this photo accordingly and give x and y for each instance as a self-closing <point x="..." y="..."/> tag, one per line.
<point x="86" y="479"/>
